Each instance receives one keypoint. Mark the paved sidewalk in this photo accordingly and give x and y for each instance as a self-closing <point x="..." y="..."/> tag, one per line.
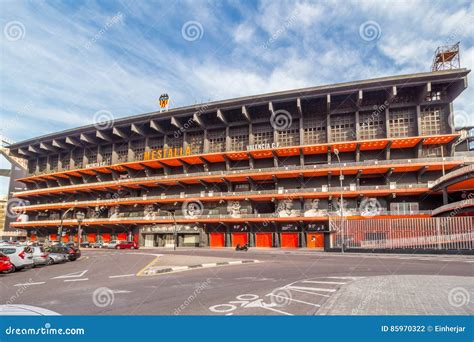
<point x="404" y="295"/>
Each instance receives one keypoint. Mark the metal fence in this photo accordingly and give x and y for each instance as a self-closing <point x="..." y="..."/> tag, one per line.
<point x="444" y="233"/>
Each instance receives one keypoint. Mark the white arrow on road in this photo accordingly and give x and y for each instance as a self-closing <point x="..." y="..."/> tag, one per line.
<point x="72" y="275"/>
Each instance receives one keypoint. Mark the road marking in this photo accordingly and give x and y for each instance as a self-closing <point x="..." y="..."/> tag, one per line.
<point x="313" y="293"/>
<point x="77" y="274"/>
<point x="121" y="291"/>
<point x="235" y="262"/>
<point x="211" y="264"/>
<point x="148" y="265"/>
<point x="82" y="279"/>
<point x="293" y="300"/>
<point x="310" y="288"/>
<point x="354" y="278"/>
<point x="122" y="275"/>
<point x="28" y="284"/>
<point x="323" y="282"/>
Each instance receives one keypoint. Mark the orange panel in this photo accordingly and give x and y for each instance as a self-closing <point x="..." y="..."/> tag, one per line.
<point x="289" y="240"/>
<point x="52" y="237"/>
<point x="33" y="238"/>
<point x="214" y="158"/>
<point x="315" y="240"/>
<point x="239" y="238"/>
<point x="217" y="240"/>
<point x="263" y="240"/>
<point x="122" y="236"/>
<point x="65" y="238"/>
<point x="105" y="237"/>
<point x="261" y="154"/>
<point x="91" y="237"/>
<point x="315" y="149"/>
<point x="237" y="156"/>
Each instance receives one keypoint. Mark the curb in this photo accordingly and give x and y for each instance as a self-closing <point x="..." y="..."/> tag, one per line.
<point x="208" y="265"/>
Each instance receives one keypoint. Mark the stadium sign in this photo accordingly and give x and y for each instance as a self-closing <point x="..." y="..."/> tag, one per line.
<point x="171" y="152"/>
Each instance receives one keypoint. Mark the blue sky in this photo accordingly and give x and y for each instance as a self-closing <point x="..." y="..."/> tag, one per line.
<point x="62" y="62"/>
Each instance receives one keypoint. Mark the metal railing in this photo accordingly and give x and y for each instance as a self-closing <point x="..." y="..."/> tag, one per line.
<point x="260" y="170"/>
<point x="454" y="207"/>
<point x="289" y="193"/>
<point x="452" y="174"/>
<point x="443" y="233"/>
<point x="202" y="217"/>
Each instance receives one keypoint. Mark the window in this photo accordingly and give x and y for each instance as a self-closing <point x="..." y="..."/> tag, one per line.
<point x="42" y="164"/>
<point x="53" y="162"/>
<point x="216" y="140"/>
<point x="239" y="138"/>
<point x="195" y="141"/>
<point x="404" y="208"/>
<point x="65" y="164"/>
<point x="91" y="155"/>
<point x="138" y="148"/>
<point x="371" y="125"/>
<point x="107" y="154"/>
<point x="77" y="157"/>
<point x="122" y="152"/>
<point x="314" y="131"/>
<point x="342" y="127"/>
<point x="402" y="123"/>
<point x="263" y="134"/>
<point x="433" y="121"/>
<point x="290" y="136"/>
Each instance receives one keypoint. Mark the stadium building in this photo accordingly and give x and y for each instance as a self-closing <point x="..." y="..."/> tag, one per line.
<point x="264" y="170"/>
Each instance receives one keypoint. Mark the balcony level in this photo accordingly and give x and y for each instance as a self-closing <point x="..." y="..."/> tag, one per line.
<point x="385" y="168"/>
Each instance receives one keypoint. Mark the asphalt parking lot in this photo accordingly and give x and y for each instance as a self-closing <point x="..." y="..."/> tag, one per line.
<point x="258" y="282"/>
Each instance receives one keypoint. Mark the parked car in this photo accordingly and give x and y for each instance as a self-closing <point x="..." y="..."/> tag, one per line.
<point x="126" y="245"/>
<point x="20" y="256"/>
<point x="85" y="244"/>
<point x="56" y="254"/>
<point x="40" y="256"/>
<point x="97" y="244"/>
<point x="112" y="244"/>
<point x="73" y="253"/>
<point x="5" y="264"/>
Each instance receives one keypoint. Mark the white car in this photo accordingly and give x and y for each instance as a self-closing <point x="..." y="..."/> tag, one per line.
<point x="112" y="244"/>
<point x="20" y="256"/>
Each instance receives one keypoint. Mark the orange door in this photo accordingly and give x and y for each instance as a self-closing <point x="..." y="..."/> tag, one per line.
<point x="263" y="240"/>
<point x="122" y="236"/>
<point x="33" y="238"/>
<point x="65" y="238"/>
<point x="217" y="240"/>
<point x="106" y="237"/>
<point x="91" y="237"/>
<point x="289" y="240"/>
<point x="315" y="240"/>
<point x="239" y="238"/>
<point x="52" y="237"/>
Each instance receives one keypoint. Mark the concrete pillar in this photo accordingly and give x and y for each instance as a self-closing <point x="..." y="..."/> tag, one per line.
<point x="418" y="120"/>
<point x="276" y="238"/>
<point x="114" y="154"/>
<point x="387" y="122"/>
<point x="251" y="238"/>
<point x="357" y="128"/>
<point x="206" y="142"/>
<point x="303" y="239"/>
<point x="445" y="196"/>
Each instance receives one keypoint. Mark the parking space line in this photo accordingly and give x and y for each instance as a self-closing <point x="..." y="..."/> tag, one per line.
<point x="323" y="282"/>
<point x="82" y="279"/>
<point x="310" y="288"/>
<point x="211" y="264"/>
<point x="292" y="299"/>
<point x="28" y="284"/>
<point x="122" y="275"/>
<point x="312" y="293"/>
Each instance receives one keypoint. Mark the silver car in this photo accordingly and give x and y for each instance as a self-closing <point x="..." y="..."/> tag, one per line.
<point x="56" y="255"/>
<point x="40" y="257"/>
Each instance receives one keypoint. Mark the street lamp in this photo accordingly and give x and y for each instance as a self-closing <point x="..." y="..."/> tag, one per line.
<point x="175" y="232"/>
<point x="341" y="178"/>
<point x="60" y="231"/>
<point x="79" y="217"/>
